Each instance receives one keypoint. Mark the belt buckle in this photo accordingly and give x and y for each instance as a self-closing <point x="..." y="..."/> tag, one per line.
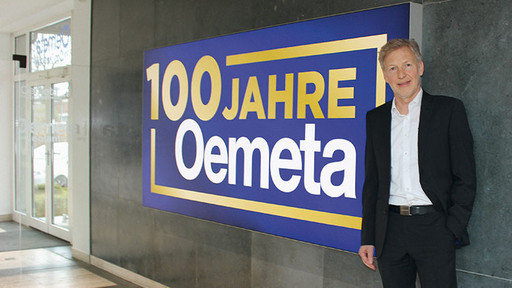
<point x="405" y="210"/>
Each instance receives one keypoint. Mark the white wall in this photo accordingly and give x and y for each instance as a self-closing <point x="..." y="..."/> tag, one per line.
<point x="79" y="150"/>
<point x="6" y="127"/>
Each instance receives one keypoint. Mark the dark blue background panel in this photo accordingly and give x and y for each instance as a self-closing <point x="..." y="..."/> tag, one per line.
<point x="265" y="130"/>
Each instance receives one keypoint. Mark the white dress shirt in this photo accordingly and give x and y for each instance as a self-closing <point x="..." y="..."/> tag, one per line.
<point x="405" y="186"/>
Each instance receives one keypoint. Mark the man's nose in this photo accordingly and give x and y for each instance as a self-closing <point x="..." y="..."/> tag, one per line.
<point x="400" y="73"/>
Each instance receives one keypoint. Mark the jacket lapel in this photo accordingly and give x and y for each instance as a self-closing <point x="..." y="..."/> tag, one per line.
<point x="425" y="124"/>
<point x="384" y="128"/>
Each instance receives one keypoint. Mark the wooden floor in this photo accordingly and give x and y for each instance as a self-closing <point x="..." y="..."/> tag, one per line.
<point x="52" y="267"/>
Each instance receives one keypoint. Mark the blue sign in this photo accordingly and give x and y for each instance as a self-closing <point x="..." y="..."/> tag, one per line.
<point x="265" y="129"/>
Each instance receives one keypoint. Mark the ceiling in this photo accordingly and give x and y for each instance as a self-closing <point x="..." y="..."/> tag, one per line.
<point x="16" y="15"/>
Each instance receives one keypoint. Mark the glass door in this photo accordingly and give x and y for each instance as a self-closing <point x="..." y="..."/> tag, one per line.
<point x="42" y="92"/>
<point x="49" y="154"/>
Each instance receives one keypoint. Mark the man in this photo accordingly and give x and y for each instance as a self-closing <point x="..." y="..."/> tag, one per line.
<point x="419" y="178"/>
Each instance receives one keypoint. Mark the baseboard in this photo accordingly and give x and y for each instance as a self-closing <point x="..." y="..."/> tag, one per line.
<point x="81" y="256"/>
<point x="6" y="218"/>
<point x="125" y="274"/>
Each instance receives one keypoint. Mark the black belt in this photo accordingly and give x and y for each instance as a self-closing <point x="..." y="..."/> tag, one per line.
<point x="412" y="210"/>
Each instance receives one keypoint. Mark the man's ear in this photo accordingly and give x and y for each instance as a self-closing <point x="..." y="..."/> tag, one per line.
<point x="421" y="68"/>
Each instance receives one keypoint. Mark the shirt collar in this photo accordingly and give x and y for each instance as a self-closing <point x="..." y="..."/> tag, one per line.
<point x="415" y="102"/>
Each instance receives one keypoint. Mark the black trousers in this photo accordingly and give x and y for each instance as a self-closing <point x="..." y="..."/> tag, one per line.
<point x="418" y="245"/>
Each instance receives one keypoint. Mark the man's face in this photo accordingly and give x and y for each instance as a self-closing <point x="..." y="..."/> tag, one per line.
<point x="402" y="72"/>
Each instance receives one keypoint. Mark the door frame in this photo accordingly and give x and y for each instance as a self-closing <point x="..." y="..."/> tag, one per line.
<point x="30" y="79"/>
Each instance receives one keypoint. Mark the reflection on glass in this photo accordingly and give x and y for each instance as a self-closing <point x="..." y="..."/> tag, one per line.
<point x="59" y="102"/>
<point x="50" y="47"/>
<point x="40" y="132"/>
<point x="21" y="158"/>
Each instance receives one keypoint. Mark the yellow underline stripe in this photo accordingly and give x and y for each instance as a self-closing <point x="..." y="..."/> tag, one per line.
<point x="261" y="207"/>
<point x="340" y="220"/>
<point x="315" y="49"/>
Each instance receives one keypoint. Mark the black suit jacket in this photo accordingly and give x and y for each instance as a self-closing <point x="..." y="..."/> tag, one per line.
<point x="446" y="166"/>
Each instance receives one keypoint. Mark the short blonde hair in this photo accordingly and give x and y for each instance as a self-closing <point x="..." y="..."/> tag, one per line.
<point x="394" y="44"/>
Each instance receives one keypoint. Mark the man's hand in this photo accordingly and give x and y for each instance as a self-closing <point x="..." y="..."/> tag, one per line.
<point x="366" y="254"/>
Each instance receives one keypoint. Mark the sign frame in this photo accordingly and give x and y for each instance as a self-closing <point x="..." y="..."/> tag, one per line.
<point x="182" y="83"/>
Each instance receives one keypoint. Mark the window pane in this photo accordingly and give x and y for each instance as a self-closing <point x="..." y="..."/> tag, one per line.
<point x="22" y="140"/>
<point x="50" y="47"/>
<point x="40" y="134"/>
<point x="60" y="99"/>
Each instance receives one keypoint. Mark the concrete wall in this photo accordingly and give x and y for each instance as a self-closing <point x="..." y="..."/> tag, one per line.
<point x="466" y="55"/>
